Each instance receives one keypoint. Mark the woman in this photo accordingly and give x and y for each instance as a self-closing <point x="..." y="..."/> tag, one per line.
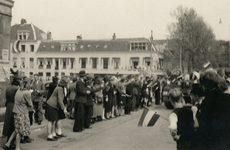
<point x="55" y="110"/>
<point x="8" y="127"/>
<point x="21" y="116"/>
<point x="98" y="100"/>
<point x="214" y="114"/>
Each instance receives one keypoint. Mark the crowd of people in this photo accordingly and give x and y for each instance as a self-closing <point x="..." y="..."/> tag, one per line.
<point x="86" y="99"/>
<point x="205" y="124"/>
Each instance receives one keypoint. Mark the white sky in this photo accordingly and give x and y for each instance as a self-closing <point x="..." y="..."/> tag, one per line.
<point x="99" y="19"/>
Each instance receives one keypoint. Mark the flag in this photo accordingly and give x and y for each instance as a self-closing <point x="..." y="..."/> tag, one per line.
<point x="148" y="118"/>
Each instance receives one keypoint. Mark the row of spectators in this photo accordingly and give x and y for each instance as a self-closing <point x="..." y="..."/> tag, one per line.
<point x="86" y="99"/>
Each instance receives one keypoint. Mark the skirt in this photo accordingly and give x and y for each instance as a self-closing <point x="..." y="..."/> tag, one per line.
<point x="61" y="114"/>
<point x="51" y="114"/>
<point x="22" y="124"/>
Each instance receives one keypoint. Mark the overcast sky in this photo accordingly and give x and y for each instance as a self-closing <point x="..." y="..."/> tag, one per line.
<point x="99" y="19"/>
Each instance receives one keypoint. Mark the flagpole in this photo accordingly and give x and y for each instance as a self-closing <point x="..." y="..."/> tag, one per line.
<point x="151" y="55"/>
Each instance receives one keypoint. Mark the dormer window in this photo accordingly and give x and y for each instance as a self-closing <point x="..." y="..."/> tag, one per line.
<point x="97" y="46"/>
<point x="23" y="34"/>
<point x="138" y="46"/>
<point x="82" y="46"/>
<point x="89" y="46"/>
<point x="68" y="47"/>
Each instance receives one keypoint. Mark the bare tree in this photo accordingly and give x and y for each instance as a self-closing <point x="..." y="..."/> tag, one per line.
<point x="192" y="36"/>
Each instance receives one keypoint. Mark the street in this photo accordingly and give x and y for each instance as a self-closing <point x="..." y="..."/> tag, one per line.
<point x="119" y="133"/>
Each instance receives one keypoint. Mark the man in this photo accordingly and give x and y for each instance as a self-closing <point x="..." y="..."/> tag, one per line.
<point x="72" y="95"/>
<point x="37" y="98"/>
<point x="80" y="100"/>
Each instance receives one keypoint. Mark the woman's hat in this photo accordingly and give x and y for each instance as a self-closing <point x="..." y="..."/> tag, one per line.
<point x="82" y="73"/>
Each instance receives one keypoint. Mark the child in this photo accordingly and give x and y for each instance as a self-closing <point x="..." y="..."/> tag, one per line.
<point x="181" y="121"/>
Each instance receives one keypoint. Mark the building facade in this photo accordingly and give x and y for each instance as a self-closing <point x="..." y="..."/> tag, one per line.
<point x="66" y="58"/>
<point x="25" y="40"/>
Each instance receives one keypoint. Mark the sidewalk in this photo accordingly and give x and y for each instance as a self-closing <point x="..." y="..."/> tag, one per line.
<point x="35" y="127"/>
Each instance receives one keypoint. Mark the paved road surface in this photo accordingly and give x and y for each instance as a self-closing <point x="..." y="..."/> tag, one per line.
<point x="119" y="133"/>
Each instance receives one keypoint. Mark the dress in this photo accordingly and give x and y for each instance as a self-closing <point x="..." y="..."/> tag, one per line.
<point x="8" y="127"/>
<point x="21" y="116"/>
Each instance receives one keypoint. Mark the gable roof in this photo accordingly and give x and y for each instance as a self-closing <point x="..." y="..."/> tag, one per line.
<point x="34" y="32"/>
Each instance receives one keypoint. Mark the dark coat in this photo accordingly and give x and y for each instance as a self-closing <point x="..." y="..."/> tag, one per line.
<point x="214" y="122"/>
<point x="81" y="95"/>
<point x="8" y="127"/>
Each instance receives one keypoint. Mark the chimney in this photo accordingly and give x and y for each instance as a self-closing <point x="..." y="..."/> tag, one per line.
<point x="114" y="36"/>
<point x="23" y="21"/>
<point x="49" y="36"/>
<point x="79" y="37"/>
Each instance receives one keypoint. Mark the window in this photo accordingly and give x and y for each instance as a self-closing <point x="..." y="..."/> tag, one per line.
<point x="56" y="64"/>
<point x="71" y="63"/>
<point x="64" y="61"/>
<point x="31" y="48"/>
<point x="106" y="46"/>
<point x="31" y="62"/>
<point x="23" y="48"/>
<point x="94" y="63"/>
<point x="48" y="76"/>
<point x="23" y="35"/>
<point x="23" y="62"/>
<point x="15" y="62"/>
<point x="116" y="62"/>
<point x="83" y="63"/>
<point x="147" y="61"/>
<point x="105" y="63"/>
<point x="40" y="74"/>
<point x="49" y="62"/>
<point x="41" y="62"/>
<point x="68" y="46"/>
<point x="138" y="46"/>
<point x="134" y="62"/>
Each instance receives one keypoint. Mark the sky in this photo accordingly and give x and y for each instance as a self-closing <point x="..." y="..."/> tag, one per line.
<point x="100" y="19"/>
